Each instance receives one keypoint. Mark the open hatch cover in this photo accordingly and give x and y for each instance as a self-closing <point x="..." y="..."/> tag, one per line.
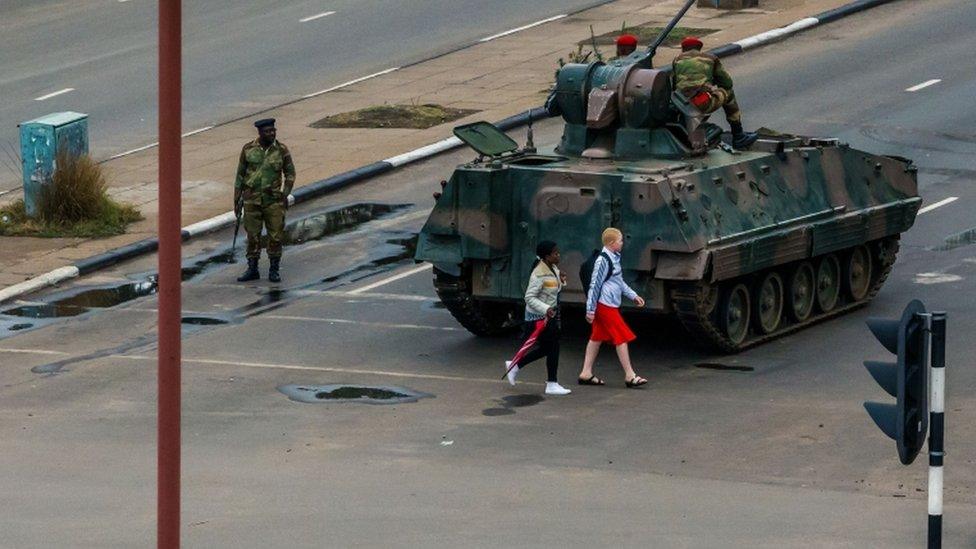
<point x="485" y="138"/>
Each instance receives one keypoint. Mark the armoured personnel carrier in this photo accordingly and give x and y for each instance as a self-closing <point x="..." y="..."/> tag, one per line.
<point x="741" y="246"/>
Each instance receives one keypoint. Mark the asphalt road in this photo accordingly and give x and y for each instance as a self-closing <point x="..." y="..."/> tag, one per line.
<point x="774" y="452"/>
<point x="240" y="56"/>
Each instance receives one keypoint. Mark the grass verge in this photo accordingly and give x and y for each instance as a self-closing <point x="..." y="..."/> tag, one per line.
<point x="645" y="36"/>
<point x="418" y="117"/>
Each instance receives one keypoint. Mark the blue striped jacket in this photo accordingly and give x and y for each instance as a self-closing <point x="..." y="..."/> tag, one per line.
<point x="609" y="293"/>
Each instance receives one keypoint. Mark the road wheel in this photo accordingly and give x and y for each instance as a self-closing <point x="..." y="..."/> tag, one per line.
<point x="857" y="273"/>
<point x="768" y="299"/>
<point x="733" y="312"/>
<point x="802" y="289"/>
<point x="828" y="282"/>
<point x="481" y="318"/>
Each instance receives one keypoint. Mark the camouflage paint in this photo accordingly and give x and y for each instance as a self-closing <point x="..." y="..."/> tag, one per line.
<point x="691" y="218"/>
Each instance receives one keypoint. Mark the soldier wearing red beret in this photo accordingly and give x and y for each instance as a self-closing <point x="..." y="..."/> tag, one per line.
<point x="626" y="45"/>
<point x="700" y="77"/>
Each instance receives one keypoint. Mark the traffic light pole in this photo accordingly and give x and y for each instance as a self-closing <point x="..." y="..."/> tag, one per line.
<point x="937" y="329"/>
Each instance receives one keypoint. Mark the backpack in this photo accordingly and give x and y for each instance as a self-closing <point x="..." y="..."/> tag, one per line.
<point x="586" y="269"/>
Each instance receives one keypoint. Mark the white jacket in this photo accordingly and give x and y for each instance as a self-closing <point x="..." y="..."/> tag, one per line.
<point x="543" y="291"/>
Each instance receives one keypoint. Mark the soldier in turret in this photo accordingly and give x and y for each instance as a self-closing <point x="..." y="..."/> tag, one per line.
<point x="626" y="45"/>
<point x="260" y="197"/>
<point x="700" y="77"/>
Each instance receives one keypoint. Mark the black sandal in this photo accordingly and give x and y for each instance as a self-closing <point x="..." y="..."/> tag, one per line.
<point x="592" y="380"/>
<point x="635" y="381"/>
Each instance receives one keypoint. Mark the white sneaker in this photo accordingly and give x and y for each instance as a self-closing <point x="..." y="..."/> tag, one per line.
<point x="553" y="388"/>
<point x="512" y="372"/>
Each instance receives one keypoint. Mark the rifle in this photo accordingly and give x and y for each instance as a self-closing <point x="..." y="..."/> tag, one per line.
<point x="239" y="207"/>
<point x="652" y="49"/>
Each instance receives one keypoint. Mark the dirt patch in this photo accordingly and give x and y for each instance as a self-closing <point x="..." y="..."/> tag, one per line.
<point x="418" y="117"/>
<point x="645" y="36"/>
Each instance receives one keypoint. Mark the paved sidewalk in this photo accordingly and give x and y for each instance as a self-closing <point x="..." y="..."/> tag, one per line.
<point x="500" y="78"/>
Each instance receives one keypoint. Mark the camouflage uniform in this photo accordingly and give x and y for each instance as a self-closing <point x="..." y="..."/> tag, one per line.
<point x="259" y="174"/>
<point x="697" y="71"/>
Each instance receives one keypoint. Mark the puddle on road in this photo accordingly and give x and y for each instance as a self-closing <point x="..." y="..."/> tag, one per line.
<point x="512" y="401"/>
<point x="724" y="367"/>
<point x="363" y="394"/>
<point x="336" y="220"/>
<point x="493" y="412"/>
<point x="957" y="240"/>
<point x="313" y="227"/>
<point x="84" y="300"/>
<point x="53" y="368"/>
<point x="203" y="320"/>
<point x="520" y="401"/>
<point x="393" y="251"/>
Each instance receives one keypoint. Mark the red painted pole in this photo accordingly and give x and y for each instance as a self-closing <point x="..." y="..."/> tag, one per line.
<point x="170" y="176"/>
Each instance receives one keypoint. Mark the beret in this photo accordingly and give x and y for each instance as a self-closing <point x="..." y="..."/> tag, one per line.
<point x="627" y="40"/>
<point x="691" y="42"/>
<point x="264" y="122"/>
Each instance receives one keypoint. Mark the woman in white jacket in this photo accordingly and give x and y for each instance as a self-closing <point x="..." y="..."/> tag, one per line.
<point x="542" y="303"/>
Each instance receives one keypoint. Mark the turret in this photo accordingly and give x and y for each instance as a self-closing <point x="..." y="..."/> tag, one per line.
<point x="626" y="109"/>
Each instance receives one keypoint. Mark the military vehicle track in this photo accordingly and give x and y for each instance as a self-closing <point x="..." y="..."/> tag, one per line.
<point x="697" y="306"/>
<point x="481" y="318"/>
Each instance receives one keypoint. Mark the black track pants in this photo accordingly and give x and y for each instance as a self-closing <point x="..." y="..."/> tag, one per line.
<point x="546" y="346"/>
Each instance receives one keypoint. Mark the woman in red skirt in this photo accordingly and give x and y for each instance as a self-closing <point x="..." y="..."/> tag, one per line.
<point x="607" y="288"/>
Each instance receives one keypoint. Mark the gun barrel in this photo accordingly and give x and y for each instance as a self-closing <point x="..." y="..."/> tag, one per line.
<point x="667" y="30"/>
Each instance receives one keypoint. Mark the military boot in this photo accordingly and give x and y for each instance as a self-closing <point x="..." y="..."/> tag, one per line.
<point x="742" y="139"/>
<point x="273" y="274"/>
<point x="251" y="273"/>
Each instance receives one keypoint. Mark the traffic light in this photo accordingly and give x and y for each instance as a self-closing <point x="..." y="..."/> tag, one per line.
<point x="906" y="421"/>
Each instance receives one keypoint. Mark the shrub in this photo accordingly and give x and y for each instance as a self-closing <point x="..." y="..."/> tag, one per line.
<point x="74" y="203"/>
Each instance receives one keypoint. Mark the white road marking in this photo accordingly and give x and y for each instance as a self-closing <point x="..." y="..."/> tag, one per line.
<point x="316" y="16"/>
<point x="938" y="204"/>
<point x="393" y="278"/>
<point x="196" y="131"/>
<point x="300" y="367"/>
<point x="382" y="296"/>
<point x="137" y="149"/>
<point x="925" y="84"/>
<point x="522" y="28"/>
<point x="936" y="278"/>
<point x="155" y="143"/>
<point x="34" y="352"/>
<point x="362" y="323"/>
<point x="351" y="82"/>
<point x="54" y="94"/>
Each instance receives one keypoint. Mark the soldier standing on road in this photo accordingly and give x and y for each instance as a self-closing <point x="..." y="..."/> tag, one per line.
<point x="700" y="77"/>
<point x="259" y="192"/>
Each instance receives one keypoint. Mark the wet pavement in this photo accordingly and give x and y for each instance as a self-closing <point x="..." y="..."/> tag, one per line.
<point x="311" y="227"/>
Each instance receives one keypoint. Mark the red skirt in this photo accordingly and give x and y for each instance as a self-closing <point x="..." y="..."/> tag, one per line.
<point x="609" y="326"/>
